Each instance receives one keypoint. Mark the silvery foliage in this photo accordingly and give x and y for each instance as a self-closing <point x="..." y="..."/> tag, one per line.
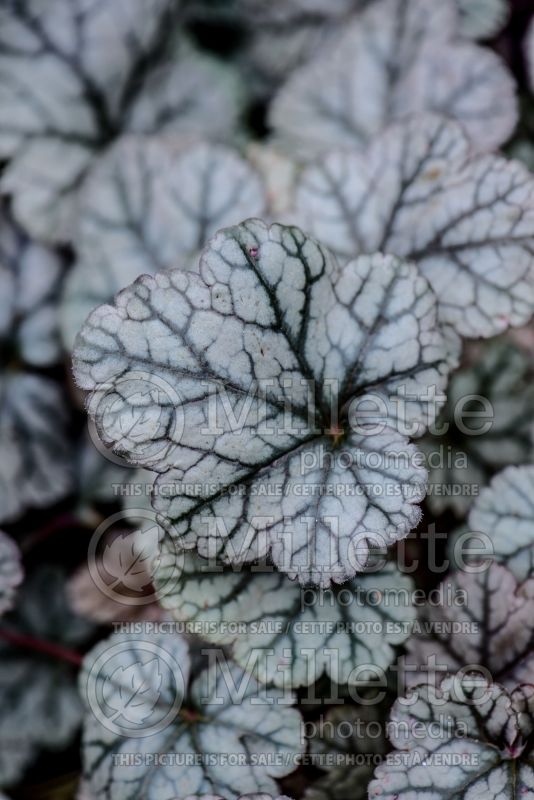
<point x="478" y="18"/>
<point x="151" y="204"/>
<point x="206" y="378"/>
<point x="494" y="629"/>
<point x="500" y="433"/>
<point x="141" y="688"/>
<point x="504" y="512"/>
<point x="30" y="280"/>
<point x="285" y="634"/>
<point x="11" y="572"/>
<point x="482" y="19"/>
<point x="35" y="468"/>
<point x="467" y="739"/>
<point x="418" y="192"/>
<point x="284" y="35"/>
<point x="397" y="58"/>
<point x="75" y="75"/>
<point x="40" y="707"/>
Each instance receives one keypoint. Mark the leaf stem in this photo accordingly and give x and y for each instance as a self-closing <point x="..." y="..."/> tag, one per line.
<point x="52" y="649"/>
<point x="54" y="526"/>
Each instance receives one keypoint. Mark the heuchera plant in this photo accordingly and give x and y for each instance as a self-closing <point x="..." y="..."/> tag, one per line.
<point x="291" y="556"/>
<point x="272" y="320"/>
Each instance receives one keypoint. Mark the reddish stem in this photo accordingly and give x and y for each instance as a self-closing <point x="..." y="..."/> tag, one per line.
<point x="41" y="646"/>
<point x="42" y="534"/>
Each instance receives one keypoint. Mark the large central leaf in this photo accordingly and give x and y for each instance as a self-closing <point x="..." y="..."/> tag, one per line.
<point x="247" y="386"/>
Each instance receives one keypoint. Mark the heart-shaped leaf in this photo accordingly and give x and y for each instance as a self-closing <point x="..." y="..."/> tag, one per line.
<point x="284" y="634"/>
<point x="151" y="204"/>
<point x="489" y="623"/>
<point x="464" y="740"/>
<point x="498" y="391"/>
<point x="39" y="703"/>
<point x="188" y="718"/>
<point x="239" y="347"/>
<point x="36" y="464"/>
<point x="75" y="76"/>
<point x="467" y="222"/>
<point x="11" y="573"/>
<point x="395" y="59"/>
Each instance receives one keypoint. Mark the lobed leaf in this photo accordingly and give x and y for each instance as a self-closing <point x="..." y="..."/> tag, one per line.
<point x="467" y="222"/>
<point x="75" y="74"/>
<point x="151" y="204"/>
<point x="282" y="634"/>
<point x="269" y="318"/>
<point x="468" y="739"/>
<point x="395" y="59"/>
<point x="529" y="53"/>
<point x="490" y="624"/>
<point x="210" y="715"/>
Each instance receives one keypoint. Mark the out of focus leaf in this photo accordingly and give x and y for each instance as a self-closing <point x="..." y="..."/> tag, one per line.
<point x="39" y="704"/>
<point x="416" y="192"/>
<point x="152" y="204"/>
<point x="397" y="58"/>
<point x="498" y="390"/>
<point x="30" y="280"/>
<point x="75" y="74"/>
<point x="11" y="572"/>
<point x="36" y="468"/>
<point x="481" y="19"/>
<point x="505" y="513"/>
